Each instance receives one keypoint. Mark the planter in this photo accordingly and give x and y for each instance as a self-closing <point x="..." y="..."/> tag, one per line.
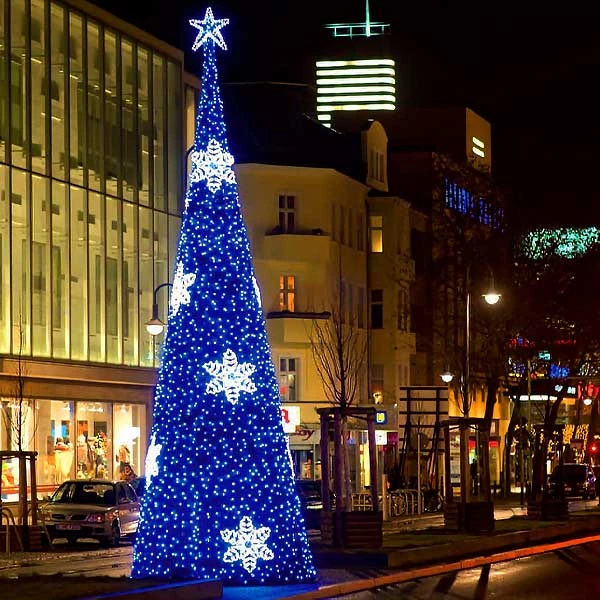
<point x="548" y="509"/>
<point x="356" y="529"/>
<point x="32" y="537"/>
<point x="472" y="517"/>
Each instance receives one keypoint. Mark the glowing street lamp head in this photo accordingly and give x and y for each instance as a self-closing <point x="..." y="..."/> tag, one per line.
<point x="447" y="377"/>
<point x="492" y="297"/>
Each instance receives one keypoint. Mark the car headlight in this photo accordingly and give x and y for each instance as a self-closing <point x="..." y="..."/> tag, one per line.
<point x="96" y="518"/>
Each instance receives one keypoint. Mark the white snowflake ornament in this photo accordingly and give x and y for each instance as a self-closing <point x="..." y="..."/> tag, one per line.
<point x="152" y="460"/>
<point x="247" y="544"/>
<point x="230" y="377"/>
<point x="180" y="294"/>
<point x="213" y="165"/>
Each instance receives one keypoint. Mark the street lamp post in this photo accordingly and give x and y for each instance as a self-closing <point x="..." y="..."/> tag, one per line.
<point x="491" y="297"/>
<point x="155" y="326"/>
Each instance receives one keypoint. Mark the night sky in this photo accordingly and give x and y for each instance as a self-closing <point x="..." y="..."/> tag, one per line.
<point x="530" y="71"/>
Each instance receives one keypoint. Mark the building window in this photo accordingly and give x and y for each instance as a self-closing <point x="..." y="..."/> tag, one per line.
<point x="350" y="229"/>
<point x="333" y="222"/>
<point x="402" y="310"/>
<point x="287" y="379"/>
<point x="287" y="213"/>
<point x="361" y="308"/>
<point x="376" y="309"/>
<point x="377" y="383"/>
<point x="376" y="233"/>
<point x="360" y="234"/>
<point x="351" y="315"/>
<point x="287" y="292"/>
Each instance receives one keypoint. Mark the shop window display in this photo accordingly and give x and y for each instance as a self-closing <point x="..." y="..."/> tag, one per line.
<point x="81" y="440"/>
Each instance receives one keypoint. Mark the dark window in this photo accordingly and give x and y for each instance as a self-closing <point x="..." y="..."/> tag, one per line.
<point x="376" y="309"/>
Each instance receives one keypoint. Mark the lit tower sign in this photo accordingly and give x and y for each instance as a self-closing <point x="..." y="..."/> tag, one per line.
<point x="358" y="82"/>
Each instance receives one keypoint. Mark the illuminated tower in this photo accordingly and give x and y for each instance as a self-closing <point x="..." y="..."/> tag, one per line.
<point x="359" y="72"/>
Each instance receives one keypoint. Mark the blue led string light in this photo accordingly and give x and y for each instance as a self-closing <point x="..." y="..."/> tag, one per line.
<point x="220" y="501"/>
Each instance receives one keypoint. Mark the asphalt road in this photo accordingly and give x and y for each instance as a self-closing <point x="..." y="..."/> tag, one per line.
<point x="569" y="574"/>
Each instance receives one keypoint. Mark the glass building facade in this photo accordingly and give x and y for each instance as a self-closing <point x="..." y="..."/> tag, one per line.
<point x="91" y="174"/>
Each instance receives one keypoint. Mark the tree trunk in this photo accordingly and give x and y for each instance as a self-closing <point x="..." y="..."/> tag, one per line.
<point x="508" y="440"/>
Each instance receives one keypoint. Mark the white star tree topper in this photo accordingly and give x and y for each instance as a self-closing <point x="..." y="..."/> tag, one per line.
<point x="209" y="30"/>
<point x="230" y="377"/>
<point x="180" y="294"/>
<point x="247" y="544"/>
<point x="213" y="165"/>
<point x="152" y="460"/>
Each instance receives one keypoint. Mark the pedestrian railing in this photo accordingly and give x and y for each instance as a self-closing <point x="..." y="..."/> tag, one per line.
<point x="6" y="514"/>
<point x="399" y="503"/>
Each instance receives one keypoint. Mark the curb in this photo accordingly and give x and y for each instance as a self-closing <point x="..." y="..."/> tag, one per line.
<point x="341" y="589"/>
<point x="187" y="590"/>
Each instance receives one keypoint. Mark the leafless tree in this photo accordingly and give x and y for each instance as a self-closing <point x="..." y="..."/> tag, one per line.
<point x="339" y="349"/>
<point x="17" y="407"/>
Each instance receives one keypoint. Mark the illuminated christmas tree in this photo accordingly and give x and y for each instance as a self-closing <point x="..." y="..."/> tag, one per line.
<point x="220" y="499"/>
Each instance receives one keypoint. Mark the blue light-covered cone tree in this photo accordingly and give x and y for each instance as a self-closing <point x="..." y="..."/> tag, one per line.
<point x="220" y="499"/>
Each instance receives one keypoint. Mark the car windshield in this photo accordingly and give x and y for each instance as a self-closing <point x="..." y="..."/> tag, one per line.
<point x="570" y="472"/>
<point x="310" y="489"/>
<point x="84" y="492"/>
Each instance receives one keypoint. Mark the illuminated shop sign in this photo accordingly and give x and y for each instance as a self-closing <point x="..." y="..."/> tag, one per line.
<point x="290" y="416"/>
<point x="381" y="417"/>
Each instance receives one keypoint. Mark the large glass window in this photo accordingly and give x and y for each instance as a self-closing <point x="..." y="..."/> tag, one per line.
<point x="5" y="272"/>
<point x="114" y="283"/>
<point x="60" y="271"/>
<point x="174" y="162"/>
<point x="4" y="91"/>
<point x="55" y="444"/>
<point x="21" y="263"/>
<point x="130" y="433"/>
<point x="145" y="241"/>
<point x="19" y="51"/>
<point x="77" y="126"/>
<point x="40" y="266"/>
<point x="95" y="445"/>
<point x="79" y="275"/>
<point x="97" y="278"/>
<point x="112" y="116"/>
<point x="159" y="92"/>
<point x="95" y="125"/>
<point x="58" y="74"/>
<point x="144" y="124"/>
<point x="129" y="128"/>
<point x="130" y="285"/>
<point x="41" y="97"/>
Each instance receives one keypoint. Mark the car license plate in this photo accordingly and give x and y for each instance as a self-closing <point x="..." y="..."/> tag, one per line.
<point x="68" y="526"/>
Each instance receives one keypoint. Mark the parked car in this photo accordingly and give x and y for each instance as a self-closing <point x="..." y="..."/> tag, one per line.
<point x="92" y="508"/>
<point x="311" y="501"/>
<point x="577" y="479"/>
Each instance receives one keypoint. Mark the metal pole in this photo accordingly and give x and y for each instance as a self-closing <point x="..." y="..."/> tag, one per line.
<point x="467" y="357"/>
<point x="419" y="467"/>
<point x="467" y="375"/>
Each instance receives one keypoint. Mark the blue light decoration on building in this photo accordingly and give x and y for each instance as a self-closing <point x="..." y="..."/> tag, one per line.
<point x="221" y="501"/>
<point x="557" y="371"/>
<point x="461" y="200"/>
